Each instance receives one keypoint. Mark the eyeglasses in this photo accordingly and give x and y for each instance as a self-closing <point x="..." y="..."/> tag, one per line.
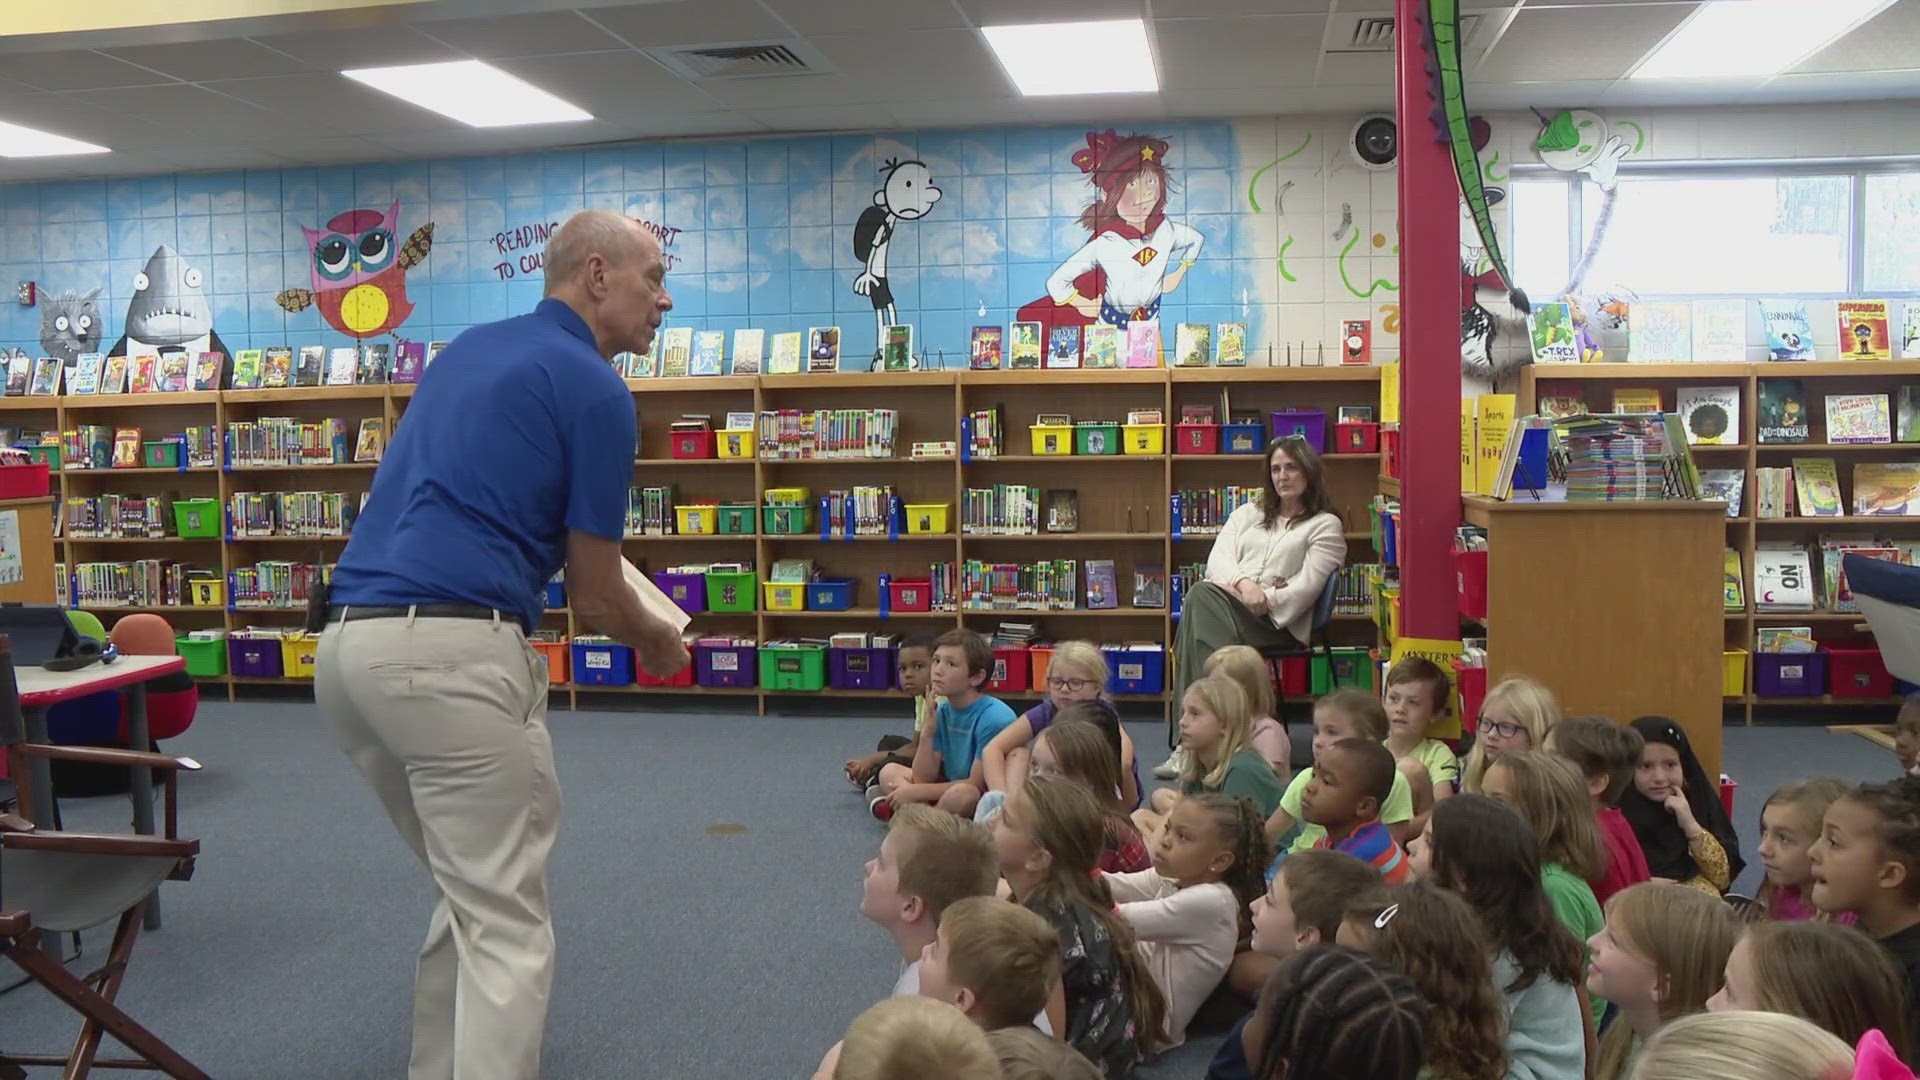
<point x="1070" y="686"/>
<point x="1495" y="727"/>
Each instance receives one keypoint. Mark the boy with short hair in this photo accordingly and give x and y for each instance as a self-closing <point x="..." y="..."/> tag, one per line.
<point x="1606" y="755"/>
<point x="928" y="862"/>
<point x="1350" y="784"/>
<point x="946" y="768"/>
<point x="911" y="1039"/>
<point x="1415" y="693"/>
<point x="913" y="664"/>
<point x="1349" y="713"/>
<point x="1025" y="1054"/>
<point x="996" y="960"/>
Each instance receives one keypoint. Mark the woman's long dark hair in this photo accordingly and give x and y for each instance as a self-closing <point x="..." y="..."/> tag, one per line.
<point x="1660" y="836"/>
<point x="1312" y="501"/>
<point x="1484" y="850"/>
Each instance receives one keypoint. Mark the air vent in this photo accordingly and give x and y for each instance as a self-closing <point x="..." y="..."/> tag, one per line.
<point x="1374" y="33"/>
<point x="746" y="60"/>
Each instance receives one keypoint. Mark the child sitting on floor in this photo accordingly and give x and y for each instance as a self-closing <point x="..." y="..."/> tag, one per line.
<point x="997" y="962"/>
<point x="1302" y="906"/>
<point x="1676" y="812"/>
<point x="1757" y="1046"/>
<point x="928" y="861"/>
<point x="1076" y="749"/>
<point x="911" y="1038"/>
<point x="913" y="663"/>
<point x="1662" y="954"/>
<point x="1606" y="755"/>
<point x="1857" y="988"/>
<point x="1416" y="694"/>
<point x="1350" y="713"/>
<point x="1517" y="714"/>
<point x="946" y="766"/>
<point x="1333" y="1012"/>
<point x="1432" y="937"/>
<point x="1026" y="1054"/>
<point x="1076" y="673"/>
<point x="1350" y="782"/>
<point x="1188" y="911"/>
<point x="1214" y="721"/>
<point x="1789" y="824"/>
<point x="1867" y="861"/>
<point x="1244" y="665"/>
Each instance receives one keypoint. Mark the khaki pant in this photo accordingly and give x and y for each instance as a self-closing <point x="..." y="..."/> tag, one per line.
<point x="447" y="720"/>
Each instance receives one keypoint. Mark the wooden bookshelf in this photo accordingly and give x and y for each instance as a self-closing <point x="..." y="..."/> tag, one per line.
<point x="1124" y="500"/>
<point x="1744" y="531"/>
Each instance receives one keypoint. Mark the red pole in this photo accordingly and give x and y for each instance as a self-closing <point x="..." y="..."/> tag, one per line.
<point x="1429" y="345"/>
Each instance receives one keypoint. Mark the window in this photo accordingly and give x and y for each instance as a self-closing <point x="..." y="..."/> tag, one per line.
<point x="1725" y="235"/>
<point x="1539" y="259"/>
<point x="1892" y="240"/>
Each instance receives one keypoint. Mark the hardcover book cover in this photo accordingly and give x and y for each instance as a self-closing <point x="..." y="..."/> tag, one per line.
<point x="984" y="355"/>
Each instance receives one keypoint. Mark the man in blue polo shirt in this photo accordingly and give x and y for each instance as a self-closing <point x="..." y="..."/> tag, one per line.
<point x="515" y="456"/>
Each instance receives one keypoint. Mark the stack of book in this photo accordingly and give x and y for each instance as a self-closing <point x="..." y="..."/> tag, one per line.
<point x="1614" y="458"/>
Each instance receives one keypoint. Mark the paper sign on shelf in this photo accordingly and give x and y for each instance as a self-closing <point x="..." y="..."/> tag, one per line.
<point x="1443" y="654"/>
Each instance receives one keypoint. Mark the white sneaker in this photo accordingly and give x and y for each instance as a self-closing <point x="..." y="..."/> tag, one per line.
<point x="1176" y="763"/>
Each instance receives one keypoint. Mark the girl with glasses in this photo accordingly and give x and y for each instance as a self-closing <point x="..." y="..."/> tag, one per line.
<point x="1515" y="715"/>
<point x="1077" y="672"/>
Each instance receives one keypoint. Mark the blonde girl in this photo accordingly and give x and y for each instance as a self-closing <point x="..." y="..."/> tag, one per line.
<point x="1661" y="955"/>
<point x="1077" y="672"/>
<point x="1833" y="975"/>
<point x="1215" y="725"/>
<point x="1789" y="824"/>
<point x="1515" y="715"/>
<point x="1244" y="665"/>
<point x="1107" y="1006"/>
<point x="1747" y="1045"/>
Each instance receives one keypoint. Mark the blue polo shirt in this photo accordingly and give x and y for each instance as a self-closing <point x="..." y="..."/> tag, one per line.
<point x="518" y="433"/>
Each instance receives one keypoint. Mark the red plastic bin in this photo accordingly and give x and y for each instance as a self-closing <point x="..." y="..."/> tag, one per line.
<point x="1390" y="452"/>
<point x="1292" y="675"/>
<point x="683" y="677"/>
<point x="1010" y="668"/>
<point x="910" y="594"/>
<point x="1857" y="671"/>
<point x="1196" y="438"/>
<point x="1470" y="579"/>
<point x="1472" y="682"/>
<point x="1356" y="437"/>
<point x="692" y="444"/>
<point x="24" y="481"/>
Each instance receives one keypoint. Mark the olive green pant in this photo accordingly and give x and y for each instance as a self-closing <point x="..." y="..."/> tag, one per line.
<point x="1211" y="618"/>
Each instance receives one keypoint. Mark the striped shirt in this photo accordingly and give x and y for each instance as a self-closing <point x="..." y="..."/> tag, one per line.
<point x="1374" y="845"/>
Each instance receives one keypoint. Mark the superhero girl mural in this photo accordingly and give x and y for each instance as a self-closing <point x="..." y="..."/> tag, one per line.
<point x="1135" y="254"/>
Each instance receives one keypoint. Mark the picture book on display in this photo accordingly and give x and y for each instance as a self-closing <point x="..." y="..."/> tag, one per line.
<point x="1102" y="346"/>
<point x="113" y="376"/>
<point x="409" y="361"/>
<point x="311" y="367"/>
<point x="1782" y="579"/>
<point x="1858" y="418"/>
<point x="372" y="440"/>
<point x="1143" y="343"/>
<point x="342" y="362"/>
<point x="86" y="374"/>
<point x="1102" y="591"/>
<point x="1789" y="333"/>
<point x="170" y="372"/>
<point x="376" y="360"/>
<point x="19" y="373"/>
<point x="1192" y="345"/>
<point x="1230" y="344"/>
<point x="896" y="348"/>
<point x="435" y="348"/>
<point x="1711" y="414"/>
<point x="1864" y="334"/>
<point x="709" y="349"/>
<point x="1023" y="350"/>
<point x="676" y="351"/>
<point x="247" y="366"/>
<point x="1640" y="400"/>
<point x="984" y="355"/>
<point x="1356" y="341"/>
<point x="126" y="448"/>
<point x="141" y="379"/>
<point x="276" y="368"/>
<point x="1783" y="411"/>
<point x="46" y="377"/>
<point x="1906" y="426"/>
<point x="1063" y="347"/>
<point x="1910" y="330"/>
<point x="1662" y="331"/>
<point x="1886" y="488"/>
<point x="1726" y="485"/>
<point x="823" y="349"/>
<point x="1550" y="327"/>
<point x="785" y="359"/>
<point x="1817" y="483"/>
<point x="1734" y="596"/>
<point x="748" y="346"/>
<point x="1720" y="331"/>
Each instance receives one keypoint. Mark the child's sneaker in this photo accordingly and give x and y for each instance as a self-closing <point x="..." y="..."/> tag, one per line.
<point x="1176" y="762"/>
<point x="877" y="804"/>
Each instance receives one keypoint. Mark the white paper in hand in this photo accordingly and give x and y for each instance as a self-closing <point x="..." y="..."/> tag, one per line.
<point x="653" y="599"/>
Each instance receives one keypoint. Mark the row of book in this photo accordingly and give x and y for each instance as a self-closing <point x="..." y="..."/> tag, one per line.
<point x="1616" y="458"/>
<point x="1204" y="511"/>
<point x="280" y="441"/>
<point x="1810" y="487"/>
<point x="137" y="583"/>
<point x="276" y="583"/>
<point x="802" y="434"/>
<point x="115" y="516"/>
<point x="1709" y="331"/>
<point x="1711" y="414"/>
<point x="1014" y="510"/>
<point x="87" y="447"/>
<point x="293" y="513"/>
<point x="1790" y="577"/>
<point x="173" y="371"/>
<point x="1057" y="585"/>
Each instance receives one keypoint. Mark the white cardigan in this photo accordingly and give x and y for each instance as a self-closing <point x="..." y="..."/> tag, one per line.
<point x="1303" y="553"/>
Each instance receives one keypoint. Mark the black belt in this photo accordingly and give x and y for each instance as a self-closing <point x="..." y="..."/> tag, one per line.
<point x="356" y="612"/>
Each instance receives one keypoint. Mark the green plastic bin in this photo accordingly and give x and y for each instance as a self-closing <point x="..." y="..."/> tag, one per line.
<point x="1351" y="667"/>
<point x="205" y="659"/>
<point x="736" y="521"/>
<point x="793" y="667"/>
<point x="48" y="454"/>
<point x="197" y="518"/>
<point x="786" y="520"/>
<point x="730" y="592"/>
<point x="164" y="454"/>
<point x="1095" y="439"/>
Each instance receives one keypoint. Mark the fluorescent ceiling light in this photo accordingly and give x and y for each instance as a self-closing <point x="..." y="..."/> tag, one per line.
<point x="1733" y="38"/>
<point x="1048" y="59"/>
<point x="17" y="141"/>
<point x="476" y="94"/>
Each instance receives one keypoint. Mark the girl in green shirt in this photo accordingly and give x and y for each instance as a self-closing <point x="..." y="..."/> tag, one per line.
<point x="1215" y="727"/>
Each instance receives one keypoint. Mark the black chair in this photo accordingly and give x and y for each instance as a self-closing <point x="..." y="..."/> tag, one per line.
<point x="1318" y="644"/>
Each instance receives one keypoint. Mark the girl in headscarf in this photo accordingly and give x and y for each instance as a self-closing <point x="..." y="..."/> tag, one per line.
<point x="1676" y="813"/>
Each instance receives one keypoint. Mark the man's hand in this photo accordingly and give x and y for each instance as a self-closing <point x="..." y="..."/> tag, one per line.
<point x="661" y="651"/>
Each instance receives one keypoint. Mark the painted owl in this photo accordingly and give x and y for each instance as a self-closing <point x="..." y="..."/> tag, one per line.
<point x="70" y="325"/>
<point x="359" y="277"/>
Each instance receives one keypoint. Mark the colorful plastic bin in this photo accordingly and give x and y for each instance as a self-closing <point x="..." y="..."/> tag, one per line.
<point x="297" y="653"/>
<point x="160" y="454"/>
<point x="206" y="658"/>
<point x="830" y="594"/>
<point x="207" y="592"/>
<point x="556" y="595"/>
<point x="1145" y="440"/>
<point x="1790" y="674"/>
<point x="735" y="443"/>
<point x="1350" y="666"/>
<point x="725" y="665"/>
<point x="1309" y="424"/>
<point x="197" y="518"/>
<point x="1096" y="439"/>
<point x="1196" y="438"/>
<point x="785" y="595"/>
<point x="783" y="520"/>
<point x="793" y="667"/>
<point x="1039" y="659"/>
<point x="692" y="444"/>
<point x="860" y="669"/>
<point x="688" y="591"/>
<point x="1733" y="673"/>
<point x="1242" y="438"/>
<point x="559" y="657"/>
<point x="1470" y="683"/>
<point x="1470" y="582"/>
<point x="696" y="520"/>
<point x="1356" y="437"/>
<point x="1136" y="671"/>
<point x="683" y="677"/>
<point x="255" y="656"/>
<point x="1010" y="671"/>
<point x="29" y="481"/>
<point x="1856" y="670"/>
<point x="730" y="591"/>
<point x="602" y="663"/>
<point x="910" y="594"/>
<point x="736" y="520"/>
<point x="925" y="519"/>
<point x="1051" y="440"/>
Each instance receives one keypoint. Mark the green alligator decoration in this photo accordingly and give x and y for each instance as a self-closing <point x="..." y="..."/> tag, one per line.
<point x="1449" y="91"/>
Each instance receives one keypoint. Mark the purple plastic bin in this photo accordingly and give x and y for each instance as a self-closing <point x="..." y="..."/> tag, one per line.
<point x="689" y="591"/>
<point x="255" y="657"/>
<point x="725" y="665"/>
<point x="1311" y="423"/>
<point x="860" y="669"/>
<point x="1789" y="674"/>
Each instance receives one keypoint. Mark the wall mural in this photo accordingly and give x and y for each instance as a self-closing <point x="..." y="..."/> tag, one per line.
<point x="1580" y="141"/>
<point x="70" y="324"/>
<point x="359" y="280"/>
<point x="168" y="311"/>
<point x="906" y="193"/>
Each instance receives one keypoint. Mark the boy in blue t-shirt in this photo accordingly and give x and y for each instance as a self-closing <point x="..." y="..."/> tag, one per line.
<point x="946" y="764"/>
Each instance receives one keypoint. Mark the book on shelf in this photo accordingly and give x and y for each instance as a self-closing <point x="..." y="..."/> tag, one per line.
<point x="113" y="376"/>
<point x="86" y="374"/>
<point x="785" y="358"/>
<point x="984" y="352"/>
<point x="1833" y="588"/>
<point x="1102" y="346"/>
<point x="247" y="368"/>
<point x="1783" y="411"/>
<point x="823" y="349"/>
<point x="1727" y="485"/>
<point x="1910" y="330"/>
<point x="1550" y="332"/>
<point x="1150" y="586"/>
<point x="1711" y="414"/>
<point x="310" y="369"/>
<point x="896" y="347"/>
<point x="1063" y="510"/>
<point x="1024" y="347"/>
<point x="1662" y="331"/>
<point x="1063" y="347"/>
<point x="435" y="348"/>
<point x="1192" y="345"/>
<point x="1858" y="418"/>
<point x="709" y="353"/>
<point x="372" y="441"/>
<point x="126" y="448"/>
<point x="1734" y="597"/>
<point x="1789" y="331"/>
<point x="1143" y="343"/>
<point x="342" y="362"/>
<point x="1864" y="333"/>
<point x="409" y="362"/>
<point x="748" y="345"/>
<point x="20" y="373"/>
<point x="1906" y="416"/>
<point x="1356" y="342"/>
<point x="1102" y="592"/>
<point x="1636" y="400"/>
<point x="276" y="369"/>
<point x="676" y="351"/>
<point x="376" y="364"/>
<point x="1783" y="639"/>
<point x="1816" y="481"/>
<point x="46" y="377"/>
<point x="1886" y="489"/>
<point x="1230" y="344"/>
<point x="1720" y="331"/>
<point x="1782" y="579"/>
<point x="1772" y="492"/>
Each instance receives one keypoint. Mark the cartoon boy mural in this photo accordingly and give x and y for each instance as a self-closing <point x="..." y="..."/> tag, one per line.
<point x="1122" y="272"/>
<point x="906" y="194"/>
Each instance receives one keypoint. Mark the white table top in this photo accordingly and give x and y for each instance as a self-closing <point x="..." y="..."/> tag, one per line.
<point x="38" y="686"/>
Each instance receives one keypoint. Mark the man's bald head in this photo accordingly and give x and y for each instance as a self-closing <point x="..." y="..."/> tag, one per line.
<point x="619" y="240"/>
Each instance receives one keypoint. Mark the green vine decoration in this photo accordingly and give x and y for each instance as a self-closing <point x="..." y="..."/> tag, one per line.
<point x="1374" y="287"/>
<point x="1281" y="259"/>
<point x="1253" y="199"/>
<point x="1492" y="164"/>
<point x="1639" y="134"/>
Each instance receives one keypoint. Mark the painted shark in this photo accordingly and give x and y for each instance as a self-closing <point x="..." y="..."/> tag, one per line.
<point x="168" y="312"/>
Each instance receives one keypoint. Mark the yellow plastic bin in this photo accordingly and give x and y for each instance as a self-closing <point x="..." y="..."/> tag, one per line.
<point x="1052" y="440"/>
<point x="786" y="595"/>
<point x="927" y="518"/>
<point x="697" y="520"/>
<point x="1733" y="673"/>
<point x="735" y="442"/>
<point x="1147" y="439"/>
<point x="207" y="592"/>
<point x="297" y="653"/>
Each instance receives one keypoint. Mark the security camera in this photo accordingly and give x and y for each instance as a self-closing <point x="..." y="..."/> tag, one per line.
<point x="1375" y="141"/>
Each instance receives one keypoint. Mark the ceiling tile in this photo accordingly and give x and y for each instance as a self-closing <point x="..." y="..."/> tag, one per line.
<point x="991" y="12"/>
<point x="239" y="157"/>
<point x="1215" y="9"/>
<point x="78" y="69"/>
<point x="333" y="101"/>
<point x="792" y="90"/>
<point x="1837" y="86"/>
<point x="1352" y="99"/>
<point x="1247" y="101"/>
<point x="189" y="113"/>
<point x="1373" y="70"/>
<point x="951" y="53"/>
<point x="1878" y="44"/>
<point x="521" y="35"/>
<point x="961" y="113"/>
<point x="375" y="46"/>
<point x="1104" y="109"/>
<point x="841" y="17"/>
<point x="827" y="118"/>
<point x="623" y="83"/>
<point x="1675" y="91"/>
<point x="322" y="149"/>
<point x="198" y="61"/>
<point x="1577" y="43"/>
<point x="697" y="22"/>
<point x="1214" y="54"/>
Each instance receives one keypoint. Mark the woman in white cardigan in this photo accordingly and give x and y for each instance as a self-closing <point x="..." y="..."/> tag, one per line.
<point x="1267" y="567"/>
